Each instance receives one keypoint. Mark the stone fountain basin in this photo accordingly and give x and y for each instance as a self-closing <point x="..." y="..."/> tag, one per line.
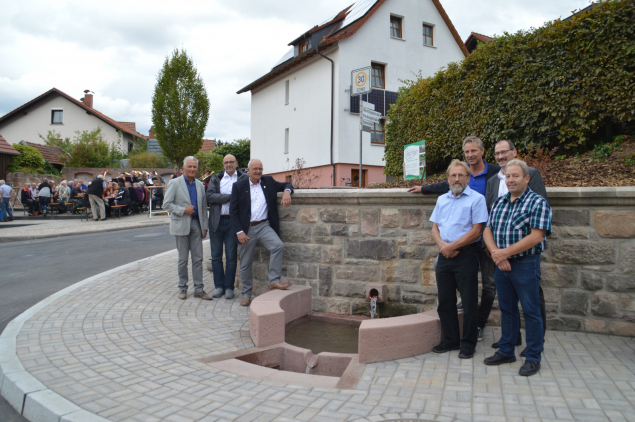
<point x="379" y="339"/>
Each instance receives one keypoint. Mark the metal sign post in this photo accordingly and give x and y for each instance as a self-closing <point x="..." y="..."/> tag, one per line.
<point x="360" y="85"/>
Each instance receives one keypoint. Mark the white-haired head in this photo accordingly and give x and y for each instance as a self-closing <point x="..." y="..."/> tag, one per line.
<point x="190" y="158"/>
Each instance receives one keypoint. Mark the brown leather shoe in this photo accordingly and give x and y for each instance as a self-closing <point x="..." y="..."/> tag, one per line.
<point x="278" y="286"/>
<point x="245" y="301"/>
<point x="183" y="295"/>
<point x="203" y="295"/>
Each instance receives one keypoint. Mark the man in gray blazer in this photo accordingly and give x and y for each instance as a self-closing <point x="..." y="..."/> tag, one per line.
<point x="504" y="152"/>
<point x="185" y="199"/>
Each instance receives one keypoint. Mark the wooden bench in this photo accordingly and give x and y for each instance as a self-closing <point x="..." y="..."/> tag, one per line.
<point x="117" y="209"/>
<point x="83" y="211"/>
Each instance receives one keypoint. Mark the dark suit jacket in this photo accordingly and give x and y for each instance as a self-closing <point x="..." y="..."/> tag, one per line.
<point x="240" y="203"/>
<point x="535" y="183"/>
<point x="133" y="194"/>
<point x="96" y="187"/>
<point x="443" y="187"/>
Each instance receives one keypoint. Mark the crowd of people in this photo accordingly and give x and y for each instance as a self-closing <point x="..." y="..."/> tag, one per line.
<point x="128" y="190"/>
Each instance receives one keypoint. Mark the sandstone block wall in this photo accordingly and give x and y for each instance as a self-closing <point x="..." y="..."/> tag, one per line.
<point x="337" y="241"/>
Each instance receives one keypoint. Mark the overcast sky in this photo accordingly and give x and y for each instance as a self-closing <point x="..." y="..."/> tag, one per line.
<point x="116" y="48"/>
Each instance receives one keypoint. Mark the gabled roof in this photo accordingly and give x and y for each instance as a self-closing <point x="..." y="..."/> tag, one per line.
<point x="124" y="127"/>
<point x="472" y="41"/>
<point x="208" y="145"/>
<point x="50" y="153"/>
<point x="348" y="22"/>
<point x="6" y="148"/>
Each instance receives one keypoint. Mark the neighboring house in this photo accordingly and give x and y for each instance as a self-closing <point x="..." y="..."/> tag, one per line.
<point x="59" y="112"/>
<point x="50" y="153"/>
<point x="208" y="145"/>
<point x="7" y="152"/>
<point x="474" y="39"/>
<point x="291" y="104"/>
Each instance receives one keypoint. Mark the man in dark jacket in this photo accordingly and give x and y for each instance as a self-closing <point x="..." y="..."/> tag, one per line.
<point x="481" y="172"/>
<point x="25" y="198"/>
<point x="95" y="195"/>
<point x="220" y="229"/>
<point x="253" y="210"/>
<point x="133" y="197"/>
<point x="123" y="198"/>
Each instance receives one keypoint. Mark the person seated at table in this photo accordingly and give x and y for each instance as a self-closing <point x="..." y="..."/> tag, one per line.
<point x="123" y="198"/>
<point x="34" y="191"/>
<point x="26" y="199"/>
<point x="140" y="195"/>
<point x="45" y="195"/>
<point x="134" y="199"/>
<point x="146" y="194"/>
<point x="77" y="197"/>
<point x="157" y="195"/>
<point x="109" y="196"/>
<point x="57" y="196"/>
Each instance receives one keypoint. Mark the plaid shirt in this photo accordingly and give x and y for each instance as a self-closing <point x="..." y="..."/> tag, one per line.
<point x="512" y="221"/>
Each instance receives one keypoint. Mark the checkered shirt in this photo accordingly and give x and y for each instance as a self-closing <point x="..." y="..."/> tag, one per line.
<point x="512" y="221"/>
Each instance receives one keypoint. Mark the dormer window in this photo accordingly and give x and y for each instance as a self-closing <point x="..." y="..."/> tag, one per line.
<point x="303" y="46"/>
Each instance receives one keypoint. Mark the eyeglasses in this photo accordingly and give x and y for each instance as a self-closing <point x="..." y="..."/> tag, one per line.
<point x="501" y="153"/>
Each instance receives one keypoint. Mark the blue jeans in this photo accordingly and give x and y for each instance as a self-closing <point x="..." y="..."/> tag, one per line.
<point x="44" y="200"/>
<point x="521" y="283"/>
<point x="224" y="279"/>
<point x="6" y="209"/>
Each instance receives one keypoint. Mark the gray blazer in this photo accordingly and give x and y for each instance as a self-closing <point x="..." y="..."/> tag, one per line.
<point x="176" y="199"/>
<point x="535" y="183"/>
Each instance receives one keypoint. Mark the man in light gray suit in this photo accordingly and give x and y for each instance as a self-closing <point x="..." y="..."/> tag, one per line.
<point x="185" y="199"/>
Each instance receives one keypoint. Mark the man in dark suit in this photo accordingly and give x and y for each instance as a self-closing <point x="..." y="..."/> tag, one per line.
<point x="254" y="218"/>
<point x="504" y="152"/>
<point x="134" y="198"/>
<point x="481" y="172"/>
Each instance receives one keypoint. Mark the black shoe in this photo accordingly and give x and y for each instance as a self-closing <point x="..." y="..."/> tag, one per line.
<point x="529" y="368"/>
<point x="479" y="336"/>
<point x="442" y="348"/>
<point x="459" y="306"/>
<point x="466" y="353"/>
<point x="498" y="359"/>
<point x="104" y="219"/>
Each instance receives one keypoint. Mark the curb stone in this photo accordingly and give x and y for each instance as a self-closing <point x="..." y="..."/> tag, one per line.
<point x="23" y="391"/>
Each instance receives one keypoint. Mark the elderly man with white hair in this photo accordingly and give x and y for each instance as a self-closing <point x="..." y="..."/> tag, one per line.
<point x="185" y="200"/>
<point x="95" y="195"/>
<point x="5" y="198"/>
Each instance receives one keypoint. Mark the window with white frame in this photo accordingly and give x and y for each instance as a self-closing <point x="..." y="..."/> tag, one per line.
<point x="286" y="141"/>
<point x="57" y="117"/>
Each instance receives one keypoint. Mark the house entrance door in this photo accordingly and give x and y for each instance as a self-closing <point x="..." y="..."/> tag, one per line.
<point x="355" y="178"/>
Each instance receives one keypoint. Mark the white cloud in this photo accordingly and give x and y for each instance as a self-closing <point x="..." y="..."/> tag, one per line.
<point x="116" y="48"/>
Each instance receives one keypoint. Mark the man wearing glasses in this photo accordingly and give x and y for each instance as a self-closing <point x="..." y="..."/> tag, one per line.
<point x="458" y="218"/>
<point x="220" y="231"/>
<point x="480" y="173"/>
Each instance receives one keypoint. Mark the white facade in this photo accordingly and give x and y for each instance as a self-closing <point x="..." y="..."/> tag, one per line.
<point x="36" y="120"/>
<point x="307" y="115"/>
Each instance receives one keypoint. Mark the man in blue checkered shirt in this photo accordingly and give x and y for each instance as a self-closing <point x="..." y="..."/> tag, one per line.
<point x="515" y="236"/>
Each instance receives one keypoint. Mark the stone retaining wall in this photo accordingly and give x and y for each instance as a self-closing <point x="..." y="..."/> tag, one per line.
<point x="337" y="241"/>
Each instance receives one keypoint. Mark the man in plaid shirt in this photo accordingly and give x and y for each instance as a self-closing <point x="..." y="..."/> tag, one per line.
<point x="515" y="235"/>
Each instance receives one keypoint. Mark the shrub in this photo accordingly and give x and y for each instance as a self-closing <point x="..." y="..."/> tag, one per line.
<point x="209" y="161"/>
<point x="30" y="159"/>
<point x="558" y="85"/>
<point x="147" y="160"/>
<point x="240" y="148"/>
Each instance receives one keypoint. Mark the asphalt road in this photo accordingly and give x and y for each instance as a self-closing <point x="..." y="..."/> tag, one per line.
<point x="32" y="270"/>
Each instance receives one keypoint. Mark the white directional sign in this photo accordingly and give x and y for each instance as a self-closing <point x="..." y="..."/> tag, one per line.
<point x="369" y="117"/>
<point x="360" y="81"/>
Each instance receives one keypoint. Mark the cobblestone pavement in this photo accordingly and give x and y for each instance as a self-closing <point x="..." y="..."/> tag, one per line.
<point x="41" y="227"/>
<point x="124" y="347"/>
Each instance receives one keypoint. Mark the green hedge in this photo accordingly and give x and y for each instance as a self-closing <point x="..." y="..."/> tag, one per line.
<point x="558" y="85"/>
<point x="30" y="158"/>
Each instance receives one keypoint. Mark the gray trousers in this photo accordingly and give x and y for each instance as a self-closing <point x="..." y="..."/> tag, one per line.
<point x="97" y="206"/>
<point x="264" y="234"/>
<point x="191" y="244"/>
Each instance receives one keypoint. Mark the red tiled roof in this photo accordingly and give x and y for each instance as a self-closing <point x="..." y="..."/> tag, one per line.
<point x="473" y="40"/>
<point x="6" y="148"/>
<point x="50" y="153"/>
<point x="125" y="128"/>
<point x="131" y="126"/>
<point x="208" y="145"/>
<point x="341" y="34"/>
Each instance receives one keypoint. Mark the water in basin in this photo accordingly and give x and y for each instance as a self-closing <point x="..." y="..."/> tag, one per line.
<point x="321" y="336"/>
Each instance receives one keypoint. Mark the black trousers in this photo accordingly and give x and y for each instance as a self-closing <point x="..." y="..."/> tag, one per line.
<point x="459" y="273"/>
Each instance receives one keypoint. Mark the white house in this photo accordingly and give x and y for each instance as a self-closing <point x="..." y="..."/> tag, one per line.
<point x="59" y="112"/>
<point x="291" y="105"/>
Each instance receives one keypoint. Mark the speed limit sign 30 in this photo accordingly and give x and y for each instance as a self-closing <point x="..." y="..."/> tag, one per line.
<point x="360" y="81"/>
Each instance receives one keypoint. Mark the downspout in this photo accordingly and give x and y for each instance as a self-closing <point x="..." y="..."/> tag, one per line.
<point x="317" y="50"/>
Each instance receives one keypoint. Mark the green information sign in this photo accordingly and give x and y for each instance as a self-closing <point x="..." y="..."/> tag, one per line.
<point x="414" y="158"/>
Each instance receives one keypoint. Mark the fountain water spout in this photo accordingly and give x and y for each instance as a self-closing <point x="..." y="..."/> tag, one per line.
<point x="373" y="307"/>
<point x="312" y="363"/>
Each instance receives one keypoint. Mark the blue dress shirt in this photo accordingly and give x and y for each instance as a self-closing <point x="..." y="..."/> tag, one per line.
<point x="191" y="188"/>
<point x="478" y="183"/>
<point x="455" y="216"/>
